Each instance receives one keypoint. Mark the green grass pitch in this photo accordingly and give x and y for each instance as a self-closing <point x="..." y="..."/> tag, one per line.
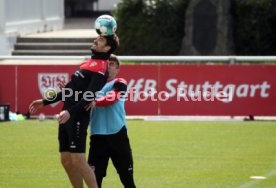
<point x="166" y="155"/>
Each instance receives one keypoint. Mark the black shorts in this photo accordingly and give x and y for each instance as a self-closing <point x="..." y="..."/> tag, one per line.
<point x="72" y="134"/>
<point x="116" y="147"/>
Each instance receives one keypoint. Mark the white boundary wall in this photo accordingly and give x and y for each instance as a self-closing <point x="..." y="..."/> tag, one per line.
<point x="104" y="5"/>
<point x="19" y="17"/>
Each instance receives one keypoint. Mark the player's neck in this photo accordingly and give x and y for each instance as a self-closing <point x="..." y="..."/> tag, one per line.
<point x="100" y="55"/>
<point x="111" y="78"/>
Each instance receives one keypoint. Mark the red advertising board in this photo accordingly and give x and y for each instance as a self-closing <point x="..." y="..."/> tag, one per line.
<point x="248" y="89"/>
<point x="158" y="89"/>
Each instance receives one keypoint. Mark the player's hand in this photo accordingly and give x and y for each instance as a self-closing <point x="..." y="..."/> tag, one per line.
<point x="63" y="117"/>
<point x="35" y="105"/>
<point x="90" y="106"/>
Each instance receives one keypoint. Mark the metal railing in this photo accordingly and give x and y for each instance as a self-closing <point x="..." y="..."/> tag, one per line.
<point x="229" y="59"/>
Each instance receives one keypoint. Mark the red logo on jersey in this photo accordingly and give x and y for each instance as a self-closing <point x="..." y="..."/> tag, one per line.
<point x="95" y="65"/>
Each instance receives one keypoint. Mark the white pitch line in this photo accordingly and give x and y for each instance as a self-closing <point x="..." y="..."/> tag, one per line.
<point x="254" y="182"/>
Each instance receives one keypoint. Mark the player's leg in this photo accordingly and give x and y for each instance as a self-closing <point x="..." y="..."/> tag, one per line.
<point x="74" y="176"/>
<point x="77" y="146"/>
<point x="79" y="161"/>
<point x="65" y="158"/>
<point x="122" y="158"/>
<point x="98" y="157"/>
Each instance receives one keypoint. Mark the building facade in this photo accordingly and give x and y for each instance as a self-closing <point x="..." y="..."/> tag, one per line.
<point x="19" y="17"/>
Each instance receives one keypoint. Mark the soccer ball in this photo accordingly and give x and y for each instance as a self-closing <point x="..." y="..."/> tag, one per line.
<point x="105" y="25"/>
<point x="41" y="117"/>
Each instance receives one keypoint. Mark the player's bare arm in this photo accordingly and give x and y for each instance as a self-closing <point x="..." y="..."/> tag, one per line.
<point x="36" y="105"/>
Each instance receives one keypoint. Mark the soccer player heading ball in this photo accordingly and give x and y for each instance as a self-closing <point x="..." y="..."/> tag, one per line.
<point x="105" y="25"/>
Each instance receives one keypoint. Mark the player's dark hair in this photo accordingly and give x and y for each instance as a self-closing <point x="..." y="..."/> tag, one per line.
<point x="115" y="59"/>
<point x="113" y="42"/>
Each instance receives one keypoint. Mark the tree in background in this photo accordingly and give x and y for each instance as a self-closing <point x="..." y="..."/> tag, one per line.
<point x="156" y="27"/>
<point x="254" y="27"/>
<point x="150" y="27"/>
